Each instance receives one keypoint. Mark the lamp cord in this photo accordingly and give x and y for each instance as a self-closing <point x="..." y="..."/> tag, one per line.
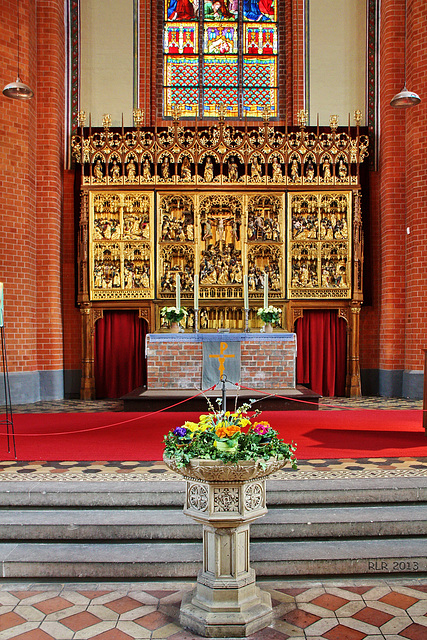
<point x="18" y="3"/>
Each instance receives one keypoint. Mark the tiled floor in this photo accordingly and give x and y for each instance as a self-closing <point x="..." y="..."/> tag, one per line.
<point x="330" y="611"/>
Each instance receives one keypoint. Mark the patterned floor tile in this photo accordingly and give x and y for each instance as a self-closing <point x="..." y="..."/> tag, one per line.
<point x="414" y="632"/>
<point x="10" y="619"/>
<point x="300" y="619"/>
<point x="80" y="621"/>
<point x="123" y="605"/>
<point x="372" y="616"/>
<point x="341" y="632"/>
<point x="399" y="600"/>
<point x="35" y="634"/>
<point x="329" y="601"/>
<point x="53" y="605"/>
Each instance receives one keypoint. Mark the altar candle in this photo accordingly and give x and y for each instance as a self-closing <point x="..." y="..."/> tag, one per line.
<point x="265" y="289"/>
<point x="245" y="292"/>
<point x="178" y="291"/>
<point x="196" y="291"/>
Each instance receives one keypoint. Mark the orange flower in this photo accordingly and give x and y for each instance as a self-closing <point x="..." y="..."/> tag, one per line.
<point x="228" y="431"/>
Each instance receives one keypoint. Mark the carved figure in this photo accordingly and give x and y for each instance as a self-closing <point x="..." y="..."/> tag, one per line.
<point x="310" y="171"/>
<point x="115" y="171"/>
<point x="277" y="170"/>
<point x="165" y="168"/>
<point x="326" y="170"/>
<point x="146" y="169"/>
<point x="255" y="169"/>
<point x="209" y="170"/>
<point x="97" y="170"/>
<point x="131" y="170"/>
<point x="294" y="170"/>
<point x="342" y="170"/>
<point x="233" y="174"/>
<point x="185" y="169"/>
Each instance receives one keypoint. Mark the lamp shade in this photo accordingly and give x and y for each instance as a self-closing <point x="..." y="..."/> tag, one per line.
<point x="18" y="90"/>
<point x="405" y="99"/>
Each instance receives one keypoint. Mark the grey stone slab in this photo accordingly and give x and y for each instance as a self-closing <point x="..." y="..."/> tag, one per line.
<point x="102" y="560"/>
<point x="172" y="524"/>
<point x="96" y="494"/>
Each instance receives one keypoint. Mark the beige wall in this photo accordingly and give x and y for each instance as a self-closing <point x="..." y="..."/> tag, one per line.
<point x="336" y="57"/>
<point x="107" y="62"/>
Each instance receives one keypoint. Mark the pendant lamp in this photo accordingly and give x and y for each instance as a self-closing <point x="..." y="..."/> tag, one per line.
<point x="18" y="90"/>
<point x="405" y="98"/>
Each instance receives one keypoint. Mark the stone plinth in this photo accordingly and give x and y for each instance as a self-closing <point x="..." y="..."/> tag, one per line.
<point x="226" y="498"/>
<point x="175" y="361"/>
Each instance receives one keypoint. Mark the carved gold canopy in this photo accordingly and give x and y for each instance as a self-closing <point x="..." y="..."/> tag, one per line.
<point x="225" y="203"/>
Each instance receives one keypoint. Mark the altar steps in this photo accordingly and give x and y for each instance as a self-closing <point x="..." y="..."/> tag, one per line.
<point x="143" y="399"/>
<point x="131" y="530"/>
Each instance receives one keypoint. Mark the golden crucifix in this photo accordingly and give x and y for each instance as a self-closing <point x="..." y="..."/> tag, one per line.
<point x="221" y="357"/>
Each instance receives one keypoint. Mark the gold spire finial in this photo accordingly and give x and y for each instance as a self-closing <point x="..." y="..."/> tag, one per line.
<point x="333" y="121"/>
<point x="106" y="121"/>
<point x="138" y="117"/>
<point x="302" y="116"/>
<point x="81" y="117"/>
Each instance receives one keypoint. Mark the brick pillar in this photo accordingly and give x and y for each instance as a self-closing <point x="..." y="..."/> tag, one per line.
<point x="49" y="183"/>
<point x="392" y="201"/>
<point x="416" y="203"/>
<point x="18" y="196"/>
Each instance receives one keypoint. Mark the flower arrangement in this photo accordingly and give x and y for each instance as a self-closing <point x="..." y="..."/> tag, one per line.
<point x="231" y="437"/>
<point x="270" y="315"/>
<point x="173" y="314"/>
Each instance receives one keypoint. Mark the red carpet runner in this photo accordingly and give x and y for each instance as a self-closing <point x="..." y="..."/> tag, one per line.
<point x="139" y="437"/>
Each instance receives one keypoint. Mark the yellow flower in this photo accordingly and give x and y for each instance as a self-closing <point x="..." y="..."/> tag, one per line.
<point x="191" y="426"/>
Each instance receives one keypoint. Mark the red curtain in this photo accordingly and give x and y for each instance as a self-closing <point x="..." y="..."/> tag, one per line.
<point x="322" y="352"/>
<point x="120" y="363"/>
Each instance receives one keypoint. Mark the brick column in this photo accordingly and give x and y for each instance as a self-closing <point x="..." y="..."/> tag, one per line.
<point x="49" y="184"/>
<point x="18" y="196"/>
<point x="416" y="202"/>
<point x="392" y="201"/>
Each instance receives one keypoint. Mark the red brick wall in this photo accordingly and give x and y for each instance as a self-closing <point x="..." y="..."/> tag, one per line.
<point x="392" y="189"/>
<point x="416" y="188"/>
<point x="32" y="184"/>
<point x="50" y="103"/>
<point x="178" y="365"/>
<point x="18" y="239"/>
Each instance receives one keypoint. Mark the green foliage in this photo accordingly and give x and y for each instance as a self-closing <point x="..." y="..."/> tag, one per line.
<point x="247" y="439"/>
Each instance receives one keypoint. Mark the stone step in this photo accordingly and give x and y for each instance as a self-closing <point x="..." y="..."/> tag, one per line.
<point x="182" y="560"/>
<point x="156" y="493"/>
<point x="171" y="524"/>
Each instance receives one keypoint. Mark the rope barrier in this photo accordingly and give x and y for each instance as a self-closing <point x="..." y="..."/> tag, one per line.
<point x="152" y="413"/>
<point x="115" y="424"/>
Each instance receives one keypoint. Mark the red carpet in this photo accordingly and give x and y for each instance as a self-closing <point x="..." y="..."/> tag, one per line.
<point x="139" y="437"/>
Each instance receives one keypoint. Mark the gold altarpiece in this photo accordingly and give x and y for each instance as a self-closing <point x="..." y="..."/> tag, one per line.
<point x="222" y="202"/>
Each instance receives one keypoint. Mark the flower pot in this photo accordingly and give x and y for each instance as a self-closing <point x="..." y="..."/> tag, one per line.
<point x="268" y="327"/>
<point x="225" y="447"/>
<point x="174" y="327"/>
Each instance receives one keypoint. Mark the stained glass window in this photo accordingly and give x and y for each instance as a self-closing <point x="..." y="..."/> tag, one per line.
<point x="220" y="52"/>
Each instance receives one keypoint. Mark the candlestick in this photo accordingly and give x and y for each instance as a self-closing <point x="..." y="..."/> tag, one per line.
<point x="265" y="289"/>
<point x="245" y="292"/>
<point x="196" y="291"/>
<point x="178" y="291"/>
